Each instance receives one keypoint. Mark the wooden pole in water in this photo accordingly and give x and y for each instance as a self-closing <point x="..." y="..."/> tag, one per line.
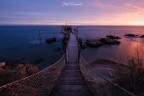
<point x="54" y="32"/>
<point x="39" y="36"/>
<point x="114" y="33"/>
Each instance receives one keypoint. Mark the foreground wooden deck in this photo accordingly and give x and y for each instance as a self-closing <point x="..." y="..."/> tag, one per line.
<point x="71" y="81"/>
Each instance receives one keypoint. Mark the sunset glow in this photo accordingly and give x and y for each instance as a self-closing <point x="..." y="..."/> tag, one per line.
<point x="137" y="23"/>
<point x="79" y="12"/>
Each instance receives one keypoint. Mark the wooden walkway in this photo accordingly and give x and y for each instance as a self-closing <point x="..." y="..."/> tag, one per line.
<point x="71" y="81"/>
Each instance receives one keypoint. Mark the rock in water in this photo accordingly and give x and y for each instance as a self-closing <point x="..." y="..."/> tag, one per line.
<point x="94" y="43"/>
<point x="113" y="37"/>
<point x="131" y="35"/>
<point x="142" y="36"/>
<point x="109" y="41"/>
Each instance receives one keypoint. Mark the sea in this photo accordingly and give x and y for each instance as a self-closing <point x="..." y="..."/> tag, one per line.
<point x="21" y="42"/>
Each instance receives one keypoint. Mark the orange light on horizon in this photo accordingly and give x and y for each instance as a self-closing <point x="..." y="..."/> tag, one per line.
<point x="137" y="23"/>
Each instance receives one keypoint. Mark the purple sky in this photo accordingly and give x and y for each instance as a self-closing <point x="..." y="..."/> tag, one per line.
<point x="85" y="12"/>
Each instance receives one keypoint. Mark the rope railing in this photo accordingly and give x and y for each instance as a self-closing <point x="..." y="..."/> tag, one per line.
<point x="38" y="84"/>
<point x="98" y="84"/>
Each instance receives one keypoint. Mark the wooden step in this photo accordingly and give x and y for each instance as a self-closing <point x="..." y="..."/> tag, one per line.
<point x="71" y="81"/>
<point x="85" y="93"/>
<point x="72" y="67"/>
<point x="71" y="73"/>
<point x="70" y="88"/>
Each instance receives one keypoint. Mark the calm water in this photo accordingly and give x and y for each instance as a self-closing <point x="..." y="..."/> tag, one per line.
<point x="21" y="42"/>
<point x="121" y="52"/>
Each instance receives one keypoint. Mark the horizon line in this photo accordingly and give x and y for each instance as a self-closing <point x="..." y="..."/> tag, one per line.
<point x="63" y="25"/>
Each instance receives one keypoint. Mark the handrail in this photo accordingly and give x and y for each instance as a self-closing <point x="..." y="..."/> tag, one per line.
<point x="39" y="83"/>
<point x="114" y="89"/>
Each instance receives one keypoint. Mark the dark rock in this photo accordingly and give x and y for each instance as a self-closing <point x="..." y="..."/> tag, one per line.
<point x="94" y="43"/>
<point x="113" y="37"/>
<point x="51" y="40"/>
<point x="109" y="41"/>
<point x="131" y="35"/>
<point x="142" y="36"/>
<point x="28" y="69"/>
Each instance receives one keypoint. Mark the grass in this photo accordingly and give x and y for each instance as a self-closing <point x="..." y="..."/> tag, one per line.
<point x="131" y="77"/>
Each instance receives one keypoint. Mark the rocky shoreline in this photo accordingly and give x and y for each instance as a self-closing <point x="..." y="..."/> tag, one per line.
<point x="10" y="72"/>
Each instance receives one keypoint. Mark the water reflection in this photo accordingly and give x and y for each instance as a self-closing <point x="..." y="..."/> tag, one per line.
<point x="121" y="52"/>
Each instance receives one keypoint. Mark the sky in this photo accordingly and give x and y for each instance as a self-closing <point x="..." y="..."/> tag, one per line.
<point x="76" y="12"/>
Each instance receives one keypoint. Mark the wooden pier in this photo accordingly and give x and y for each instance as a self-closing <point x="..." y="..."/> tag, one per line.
<point x="71" y="81"/>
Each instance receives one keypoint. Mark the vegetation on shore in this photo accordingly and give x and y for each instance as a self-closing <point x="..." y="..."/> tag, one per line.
<point x="131" y="77"/>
